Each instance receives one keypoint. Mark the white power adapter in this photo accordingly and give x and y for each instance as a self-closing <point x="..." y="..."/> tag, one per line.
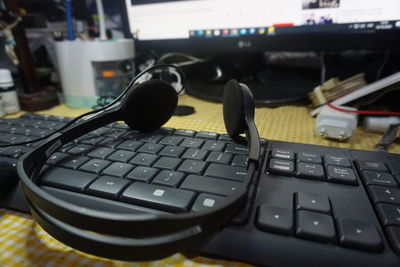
<point x="336" y="124"/>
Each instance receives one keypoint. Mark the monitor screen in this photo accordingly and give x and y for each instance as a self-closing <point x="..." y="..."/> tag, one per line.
<point x="264" y="24"/>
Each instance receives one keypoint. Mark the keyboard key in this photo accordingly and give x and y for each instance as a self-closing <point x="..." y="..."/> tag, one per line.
<point x="393" y="233"/>
<point x="226" y="172"/>
<point x="144" y="174"/>
<point x="282" y="154"/>
<point x="14" y="151"/>
<point x="310" y="171"/>
<point x="121" y="156"/>
<point x="21" y="130"/>
<point x="67" y="179"/>
<point x="335" y="160"/>
<point x="95" y="165"/>
<point x="74" y="162"/>
<point x="371" y="165"/>
<point x="40" y="132"/>
<point x="284" y="167"/>
<point x="110" y="142"/>
<point x="207" y="201"/>
<point x="188" y="133"/>
<point x="172" y="151"/>
<point x="101" y="152"/>
<point x="5" y="128"/>
<point x="359" y="235"/>
<point x="274" y="219"/>
<point x="214" y="145"/>
<point x="121" y="126"/>
<point x="144" y="159"/>
<point x="192" y="166"/>
<point x="394" y="167"/>
<point x="341" y="175"/>
<point x="158" y="197"/>
<point x="100" y="131"/>
<point x="167" y="163"/>
<point x="210" y="185"/>
<point x="133" y="135"/>
<point x="66" y="147"/>
<point x="107" y="186"/>
<point x="130" y="145"/>
<point x="312" y="202"/>
<point x="192" y="143"/>
<point x="150" y="148"/>
<point x="118" y="169"/>
<point x="225" y="137"/>
<point x="219" y="157"/>
<point x="154" y="138"/>
<point x="315" y="226"/>
<point x="56" y="157"/>
<point x="79" y="149"/>
<point x="207" y="135"/>
<point x="115" y="133"/>
<point x="240" y="160"/>
<point x="237" y="149"/>
<point x="13" y="138"/>
<point x="91" y="140"/>
<point x="171" y="140"/>
<point x="165" y="131"/>
<point x="384" y="194"/>
<point x="309" y="157"/>
<point x="196" y="154"/>
<point x="378" y="178"/>
<point x="389" y="214"/>
<point x="168" y="178"/>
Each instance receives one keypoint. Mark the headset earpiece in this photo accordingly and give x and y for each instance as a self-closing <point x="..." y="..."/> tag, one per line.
<point x="233" y="109"/>
<point x="149" y="105"/>
<point x="239" y="112"/>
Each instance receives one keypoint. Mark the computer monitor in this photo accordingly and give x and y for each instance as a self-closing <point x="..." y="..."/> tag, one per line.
<point x="226" y="26"/>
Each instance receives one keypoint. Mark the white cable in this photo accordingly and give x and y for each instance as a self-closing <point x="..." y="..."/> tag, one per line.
<point x="102" y="23"/>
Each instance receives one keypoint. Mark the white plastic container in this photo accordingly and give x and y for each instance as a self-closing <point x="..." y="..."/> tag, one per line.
<point x="78" y="64"/>
<point x="8" y="92"/>
<point x="2" y="111"/>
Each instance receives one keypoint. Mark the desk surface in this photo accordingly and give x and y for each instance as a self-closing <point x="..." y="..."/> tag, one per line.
<point x="24" y="243"/>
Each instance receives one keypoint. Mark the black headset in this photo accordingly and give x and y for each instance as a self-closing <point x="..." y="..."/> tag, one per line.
<point x="144" y="107"/>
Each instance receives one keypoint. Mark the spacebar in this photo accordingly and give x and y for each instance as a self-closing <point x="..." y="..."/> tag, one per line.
<point x="98" y="203"/>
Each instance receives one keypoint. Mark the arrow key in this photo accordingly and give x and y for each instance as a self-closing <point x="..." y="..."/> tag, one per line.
<point x="315" y="226"/>
<point x="274" y="219"/>
<point x="359" y="235"/>
<point x="312" y="202"/>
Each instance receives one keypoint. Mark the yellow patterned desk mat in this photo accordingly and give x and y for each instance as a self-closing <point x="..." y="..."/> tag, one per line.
<point x="24" y="243"/>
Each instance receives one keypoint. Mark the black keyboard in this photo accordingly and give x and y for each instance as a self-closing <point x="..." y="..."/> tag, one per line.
<point x="312" y="205"/>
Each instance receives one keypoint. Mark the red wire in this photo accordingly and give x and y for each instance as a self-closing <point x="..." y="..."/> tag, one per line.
<point x="364" y="112"/>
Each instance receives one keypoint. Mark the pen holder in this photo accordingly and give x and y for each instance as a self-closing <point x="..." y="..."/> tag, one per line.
<point x="91" y="69"/>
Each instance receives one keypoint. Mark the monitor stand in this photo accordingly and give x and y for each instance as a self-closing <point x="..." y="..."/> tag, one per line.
<point x="271" y="85"/>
